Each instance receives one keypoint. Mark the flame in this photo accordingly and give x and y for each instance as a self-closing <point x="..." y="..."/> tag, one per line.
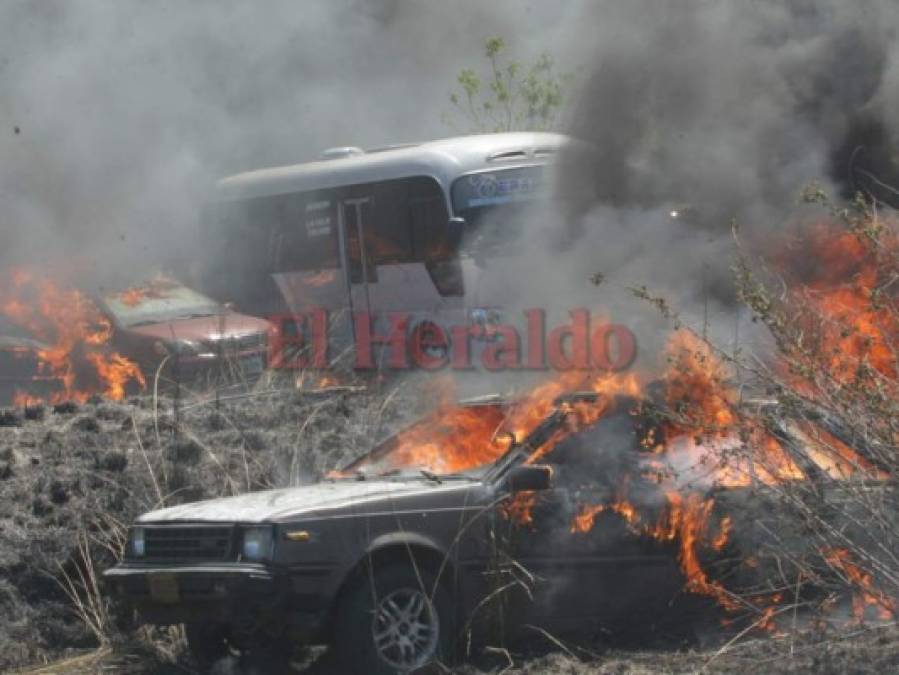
<point x="584" y="520"/>
<point x="78" y="334"/>
<point x="154" y="289"/>
<point x="865" y="595"/>
<point x="23" y="399"/>
<point x="520" y="508"/>
<point x="116" y="372"/>
<point x="307" y="380"/>
<point x="322" y="278"/>
<point x="451" y="440"/>
<point x="696" y="386"/>
<point x="840" y="302"/>
<point x="686" y="520"/>
<point x="720" y="540"/>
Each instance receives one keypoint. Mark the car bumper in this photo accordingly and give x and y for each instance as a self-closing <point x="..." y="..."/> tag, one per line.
<point x="248" y="596"/>
<point x="232" y="365"/>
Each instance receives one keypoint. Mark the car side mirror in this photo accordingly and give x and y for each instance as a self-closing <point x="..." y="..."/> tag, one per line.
<point x="530" y="477"/>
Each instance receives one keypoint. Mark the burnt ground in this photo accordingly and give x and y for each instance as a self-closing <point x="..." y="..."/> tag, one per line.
<point x="91" y="469"/>
<point x="72" y="477"/>
<point x="862" y="651"/>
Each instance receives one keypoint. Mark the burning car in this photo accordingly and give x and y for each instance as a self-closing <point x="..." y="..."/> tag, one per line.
<point x="21" y="376"/>
<point x="398" y="556"/>
<point x="164" y="322"/>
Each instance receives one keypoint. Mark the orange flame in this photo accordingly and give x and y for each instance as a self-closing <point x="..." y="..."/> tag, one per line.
<point x="686" y="520"/>
<point x="840" y="302"/>
<point x="451" y="440"/>
<point x="865" y="595"/>
<point x="78" y="335"/>
<point x="520" y="508"/>
<point x="584" y="520"/>
<point x="23" y="399"/>
<point x="156" y="288"/>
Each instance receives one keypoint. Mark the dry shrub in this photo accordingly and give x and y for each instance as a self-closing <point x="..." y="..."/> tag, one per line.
<point x="830" y="301"/>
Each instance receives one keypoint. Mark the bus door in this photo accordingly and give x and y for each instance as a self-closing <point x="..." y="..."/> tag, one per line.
<point x="359" y="269"/>
<point x="307" y="265"/>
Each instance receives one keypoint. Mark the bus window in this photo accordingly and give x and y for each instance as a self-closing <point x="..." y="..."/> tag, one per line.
<point x="407" y="220"/>
<point x="494" y="205"/>
<point x="307" y="233"/>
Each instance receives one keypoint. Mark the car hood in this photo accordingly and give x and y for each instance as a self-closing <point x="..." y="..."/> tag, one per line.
<point x="14" y="343"/>
<point x="203" y="328"/>
<point x="323" y="499"/>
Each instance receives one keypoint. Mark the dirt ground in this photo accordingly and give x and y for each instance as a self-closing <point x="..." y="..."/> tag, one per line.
<point x="862" y="651"/>
<point x="70" y="472"/>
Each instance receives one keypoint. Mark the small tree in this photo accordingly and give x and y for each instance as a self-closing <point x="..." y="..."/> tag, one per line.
<point x="512" y="96"/>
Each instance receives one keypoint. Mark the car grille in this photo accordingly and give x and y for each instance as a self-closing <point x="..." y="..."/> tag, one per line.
<point x="189" y="543"/>
<point x="244" y="343"/>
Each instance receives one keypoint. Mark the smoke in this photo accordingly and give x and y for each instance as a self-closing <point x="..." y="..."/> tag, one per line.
<point x="729" y="108"/>
<point x="115" y="118"/>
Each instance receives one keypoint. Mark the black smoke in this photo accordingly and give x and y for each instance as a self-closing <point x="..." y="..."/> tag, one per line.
<point x="729" y="108"/>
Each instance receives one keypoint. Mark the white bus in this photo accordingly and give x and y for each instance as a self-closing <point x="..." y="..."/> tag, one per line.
<point x="397" y="229"/>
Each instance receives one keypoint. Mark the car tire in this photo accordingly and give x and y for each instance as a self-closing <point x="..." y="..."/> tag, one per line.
<point x="387" y="624"/>
<point x="208" y="643"/>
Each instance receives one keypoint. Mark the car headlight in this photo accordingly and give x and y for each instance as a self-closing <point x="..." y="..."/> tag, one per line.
<point x="177" y="347"/>
<point x="257" y="543"/>
<point x="138" y="543"/>
<point x="185" y="347"/>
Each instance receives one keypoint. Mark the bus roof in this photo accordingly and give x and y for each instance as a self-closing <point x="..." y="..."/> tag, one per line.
<point x="444" y="160"/>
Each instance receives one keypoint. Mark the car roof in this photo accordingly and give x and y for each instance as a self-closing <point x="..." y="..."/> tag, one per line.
<point x="443" y="160"/>
<point x="13" y="330"/>
<point x="14" y="336"/>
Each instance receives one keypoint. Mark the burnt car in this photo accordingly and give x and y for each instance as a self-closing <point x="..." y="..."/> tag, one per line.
<point x="395" y="564"/>
<point x="21" y="375"/>
<point x="197" y="336"/>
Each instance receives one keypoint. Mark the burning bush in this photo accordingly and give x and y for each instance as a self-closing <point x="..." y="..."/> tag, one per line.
<point x="829" y="301"/>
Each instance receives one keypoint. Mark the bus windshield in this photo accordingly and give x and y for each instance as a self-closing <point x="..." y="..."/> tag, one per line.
<point x="494" y="205"/>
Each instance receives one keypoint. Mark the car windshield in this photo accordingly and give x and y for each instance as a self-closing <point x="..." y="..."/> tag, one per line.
<point x="157" y="302"/>
<point x="471" y="439"/>
<point x="495" y="205"/>
<point x="9" y="329"/>
<point x="459" y="440"/>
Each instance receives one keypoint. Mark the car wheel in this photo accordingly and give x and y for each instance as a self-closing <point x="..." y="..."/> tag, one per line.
<point x="392" y="621"/>
<point x="207" y="643"/>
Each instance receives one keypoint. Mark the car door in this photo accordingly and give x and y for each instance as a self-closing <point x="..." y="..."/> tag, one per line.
<point x="587" y="564"/>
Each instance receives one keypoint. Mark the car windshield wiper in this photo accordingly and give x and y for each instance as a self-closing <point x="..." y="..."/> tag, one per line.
<point x="430" y="475"/>
<point x="196" y="315"/>
<point x="143" y="322"/>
